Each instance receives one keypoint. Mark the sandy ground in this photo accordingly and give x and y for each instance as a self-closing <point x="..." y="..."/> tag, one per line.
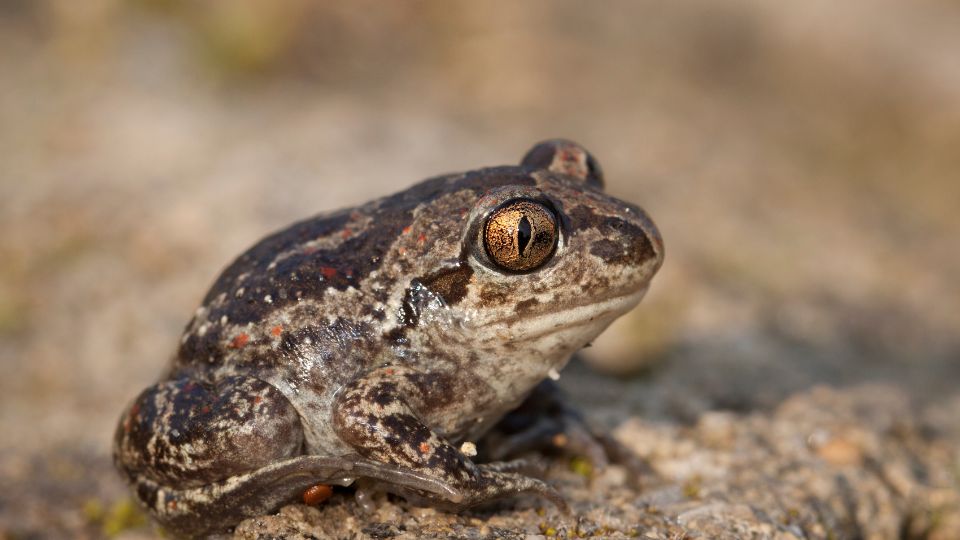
<point x="800" y="161"/>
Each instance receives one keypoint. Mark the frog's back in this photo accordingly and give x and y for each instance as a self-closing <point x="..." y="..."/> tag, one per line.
<point x="308" y="290"/>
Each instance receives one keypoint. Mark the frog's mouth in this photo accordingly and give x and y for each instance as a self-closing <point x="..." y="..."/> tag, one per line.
<point x="588" y="317"/>
<point x="595" y="315"/>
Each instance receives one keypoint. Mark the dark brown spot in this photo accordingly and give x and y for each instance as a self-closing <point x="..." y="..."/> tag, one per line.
<point x="450" y="283"/>
<point x="383" y="394"/>
<point x="623" y="243"/>
<point x="439" y="387"/>
<point x="406" y="428"/>
<point x="493" y="295"/>
<point x="147" y="493"/>
<point x="628" y="249"/>
<point x="525" y="306"/>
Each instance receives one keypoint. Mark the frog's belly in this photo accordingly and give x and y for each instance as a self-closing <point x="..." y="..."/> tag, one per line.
<point x="315" y="407"/>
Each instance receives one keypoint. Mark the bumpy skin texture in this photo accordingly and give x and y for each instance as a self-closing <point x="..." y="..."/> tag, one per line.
<point x="370" y="342"/>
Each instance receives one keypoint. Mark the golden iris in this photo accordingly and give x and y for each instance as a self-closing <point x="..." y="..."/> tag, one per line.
<point x="520" y="236"/>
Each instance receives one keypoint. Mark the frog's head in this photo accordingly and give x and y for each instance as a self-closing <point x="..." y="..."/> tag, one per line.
<point x="546" y="263"/>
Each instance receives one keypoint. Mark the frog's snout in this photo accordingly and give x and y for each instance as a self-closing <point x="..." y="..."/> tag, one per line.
<point x="631" y="241"/>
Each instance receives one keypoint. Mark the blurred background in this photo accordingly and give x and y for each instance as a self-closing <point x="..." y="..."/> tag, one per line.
<point x="801" y="159"/>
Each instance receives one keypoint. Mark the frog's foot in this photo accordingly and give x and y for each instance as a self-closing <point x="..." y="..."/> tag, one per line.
<point x="496" y="480"/>
<point x="544" y="421"/>
<point x="530" y="467"/>
<point x="492" y="482"/>
<point x="377" y="415"/>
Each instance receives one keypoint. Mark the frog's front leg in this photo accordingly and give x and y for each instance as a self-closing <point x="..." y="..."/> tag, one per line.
<point x="380" y="416"/>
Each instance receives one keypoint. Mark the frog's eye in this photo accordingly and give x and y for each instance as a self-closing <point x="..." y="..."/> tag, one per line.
<point x="521" y="235"/>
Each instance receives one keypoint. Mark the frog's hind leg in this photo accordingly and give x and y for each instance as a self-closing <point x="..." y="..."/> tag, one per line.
<point x="185" y="434"/>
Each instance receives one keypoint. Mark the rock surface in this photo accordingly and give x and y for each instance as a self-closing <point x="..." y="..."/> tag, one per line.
<point x="827" y="463"/>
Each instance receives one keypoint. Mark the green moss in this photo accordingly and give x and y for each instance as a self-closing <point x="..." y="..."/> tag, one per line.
<point x="581" y="466"/>
<point x="547" y="530"/>
<point x="123" y="515"/>
<point x="92" y="511"/>
<point x="691" y="489"/>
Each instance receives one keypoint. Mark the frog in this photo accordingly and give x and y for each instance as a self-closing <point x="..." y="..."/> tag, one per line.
<point x="371" y="346"/>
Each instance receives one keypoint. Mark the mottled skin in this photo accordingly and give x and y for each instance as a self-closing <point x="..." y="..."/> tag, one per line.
<point x="369" y="343"/>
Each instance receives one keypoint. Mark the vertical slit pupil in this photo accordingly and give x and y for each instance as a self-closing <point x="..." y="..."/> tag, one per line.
<point x="523" y="234"/>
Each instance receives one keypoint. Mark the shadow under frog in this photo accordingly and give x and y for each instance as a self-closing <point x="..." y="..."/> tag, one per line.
<point x="368" y="343"/>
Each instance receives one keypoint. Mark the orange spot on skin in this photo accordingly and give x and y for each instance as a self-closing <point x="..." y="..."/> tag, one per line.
<point x="422" y="238"/>
<point x="346" y="233"/>
<point x="402" y="250"/>
<point x="257" y="400"/>
<point x="239" y="341"/>
<point x="406" y="230"/>
<point x="328" y="271"/>
<point x="424" y="448"/>
<point x="317" y="494"/>
<point x="389" y="371"/>
<point x="128" y="421"/>
<point x="172" y="505"/>
<point x="276" y="331"/>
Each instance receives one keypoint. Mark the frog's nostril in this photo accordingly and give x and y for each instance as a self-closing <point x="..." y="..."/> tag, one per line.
<point x="613" y="224"/>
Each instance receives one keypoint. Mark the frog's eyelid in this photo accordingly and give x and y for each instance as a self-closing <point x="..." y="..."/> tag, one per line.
<point x="565" y="157"/>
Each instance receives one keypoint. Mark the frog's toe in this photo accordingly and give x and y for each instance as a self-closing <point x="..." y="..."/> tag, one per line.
<point x="615" y="452"/>
<point x="577" y="438"/>
<point x="528" y="466"/>
<point x="495" y="485"/>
